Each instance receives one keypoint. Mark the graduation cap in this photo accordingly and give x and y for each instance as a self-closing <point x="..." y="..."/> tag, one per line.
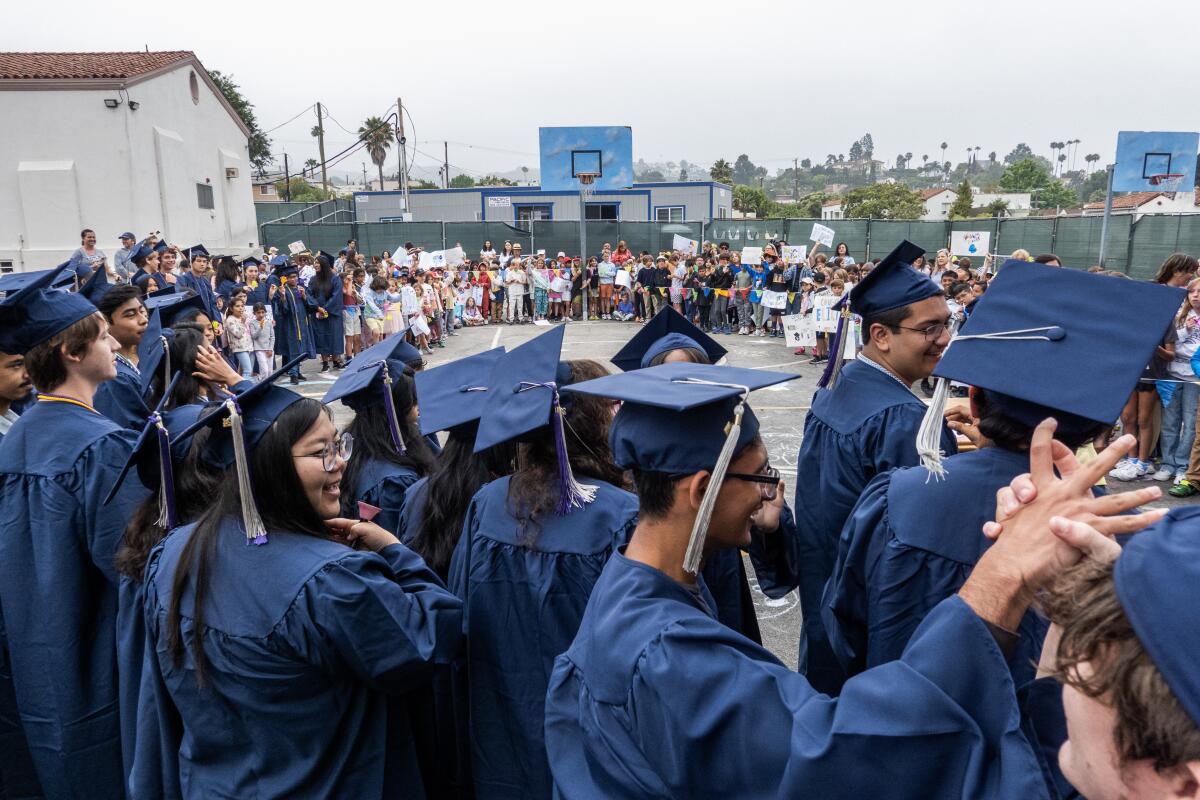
<point x="238" y="423"/>
<point x="15" y="281"/>
<point x="680" y="419"/>
<point x="252" y="260"/>
<point x="452" y="395"/>
<point x="96" y="286"/>
<point x="523" y="398"/>
<point x="160" y="246"/>
<point x="174" y="304"/>
<point x="667" y="330"/>
<point x="892" y="284"/>
<point x="1040" y="359"/>
<point x="1155" y="580"/>
<point x="154" y="349"/>
<point x="195" y="250"/>
<point x="324" y="257"/>
<point x="368" y="379"/>
<point x="283" y="267"/>
<point x="35" y="313"/>
<point x="140" y="254"/>
<point x="151" y="457"/>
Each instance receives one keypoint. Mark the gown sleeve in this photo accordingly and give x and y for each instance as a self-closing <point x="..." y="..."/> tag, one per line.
<point x="890" y="438"/>
<point x="844" y="605"/>
<point x="776" y="556"/>
<point x="388" y="497"/>
<point x="104" y="525"/>
<point x="121" y="401"/>
<point x="386" y="618"/>
<point x="927" y="725"/>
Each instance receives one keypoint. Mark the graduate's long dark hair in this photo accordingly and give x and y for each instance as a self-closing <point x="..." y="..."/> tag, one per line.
<point x="195" y="484"/>
<point x="322" y="282"/>
<point x="533" y="490"/>
<point x="458" y="473"/>
<point x="182" y="347"/>
<point x="373" y="440"/>
<point x="279" y="496"/>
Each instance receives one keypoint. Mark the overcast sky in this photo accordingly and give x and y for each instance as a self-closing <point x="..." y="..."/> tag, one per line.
<point x="695" y="80"/>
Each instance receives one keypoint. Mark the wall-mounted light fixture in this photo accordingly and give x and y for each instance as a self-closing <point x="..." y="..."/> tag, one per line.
<point x="110" y="102"/>
<point x="134" y="105"/>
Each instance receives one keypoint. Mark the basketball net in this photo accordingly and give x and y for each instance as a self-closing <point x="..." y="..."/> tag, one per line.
<point x="586" y="181"/>
<point x="1168" y="183"/>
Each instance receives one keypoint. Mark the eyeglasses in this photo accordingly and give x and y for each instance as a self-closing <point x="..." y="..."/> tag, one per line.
<point x="767" y="480"/>
<point x="341" y="447"/>
<point x="930" y="332"/>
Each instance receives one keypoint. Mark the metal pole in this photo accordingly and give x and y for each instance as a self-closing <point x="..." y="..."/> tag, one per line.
<point x="446" y="161"/>
<point x="287" y="181"/>
<point x="1107" y="213"/>
<point x="401" y="140"/>
<point x="583" y="284"/>
<point x="321" y="146"/>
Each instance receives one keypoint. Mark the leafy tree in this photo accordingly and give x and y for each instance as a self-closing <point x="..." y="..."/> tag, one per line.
<point x="744" y="171"/>
<point x="301" y="191"/>
<point x="805" y="163"/>
<point x="1026" y="175"/>
<point x="883" y="201"/>
<point x="259" y="142"/>
<point x="997" y="208"/>
<point x="682" y="175"/>
<point x="992" y="156"/>
<point x="421" y="183"/>
<point x="461" y="182"/>
<point x="377" y="135"/>
<point x="961" y="207"/>
<point x="721" y="171"/>
<point x="1056" y="195"/>
<point x="751" y="199"/>
<point x="495" y="180"/>
<point x="1095" y="186"/>
<point x="809" y="206"/>
<point x="1019" y="153"/>
<point x="900" y="161"/>
<point x="651" y="176"/>
<point x="856" y="151"/>
<point x="868" y="145"/>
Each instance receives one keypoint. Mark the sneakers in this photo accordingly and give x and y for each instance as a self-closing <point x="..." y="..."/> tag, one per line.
<point x="743" y="332"/>
<point x="1179" y="476"/>
<point x="1161" y="474"/>
<point x="1130" y="470"/>
<point x="1183" y="489"/>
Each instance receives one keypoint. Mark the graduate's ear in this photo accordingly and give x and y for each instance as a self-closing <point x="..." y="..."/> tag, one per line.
<point x="973" y="396"/>
<point x="696" y="486"/>
<point x="1185" y="780"/>
<point x="881" y="336"/>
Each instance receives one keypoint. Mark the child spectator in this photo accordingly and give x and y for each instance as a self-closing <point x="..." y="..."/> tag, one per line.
<point x="624" y="310"/>
<point x="262" y="336"/>
<point x="472" y="317"/>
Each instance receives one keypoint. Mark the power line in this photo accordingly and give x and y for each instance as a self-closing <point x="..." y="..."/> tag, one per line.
<point x="293" y="119"/>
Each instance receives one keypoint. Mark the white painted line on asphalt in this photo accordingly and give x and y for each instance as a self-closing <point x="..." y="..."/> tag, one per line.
<point x="496" y="337"/>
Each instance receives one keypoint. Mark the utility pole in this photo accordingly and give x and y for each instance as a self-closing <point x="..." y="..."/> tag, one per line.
<point x="446" y="161"/>
<point x="321" y="146"/>
<point x="287" y="180"/>
<point x="400" y="139"/>
<point x="366" y="186"/>
<point x="795" y="181"/>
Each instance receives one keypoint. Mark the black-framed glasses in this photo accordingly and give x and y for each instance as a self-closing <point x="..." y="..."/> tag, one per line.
<point x="342" y="447"/>
<point x="767" y="480"/>
<point x="930" y="332"/>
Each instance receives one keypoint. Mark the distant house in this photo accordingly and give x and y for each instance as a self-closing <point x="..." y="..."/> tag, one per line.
<point x="140" y="141"/>
<point x="1019" y="203"/>
<point x="265" y="191"/>
<point x="1142" y="203"/>
<point x="831" y="209"/>
<point x="937" y="204"/>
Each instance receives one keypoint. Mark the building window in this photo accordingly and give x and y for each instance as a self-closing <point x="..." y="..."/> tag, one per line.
<point x="267" y="188"/>
<point x="6" y="266"/>
<point x="722" y="212"/>
<point x="527" y="214"/>
<point x="194" y="85"/>
<point x="668" y="214"/>
<point x="602" y="211"/>
<point x="204" y="196"/>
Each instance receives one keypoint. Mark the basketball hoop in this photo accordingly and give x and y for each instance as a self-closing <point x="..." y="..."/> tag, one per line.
<point x="1168" y="182"/>
<point x="586" y="180"/>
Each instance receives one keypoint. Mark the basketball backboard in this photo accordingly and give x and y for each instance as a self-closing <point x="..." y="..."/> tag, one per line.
<point x="1144" y="157"/>
<point x="605" y="152"/>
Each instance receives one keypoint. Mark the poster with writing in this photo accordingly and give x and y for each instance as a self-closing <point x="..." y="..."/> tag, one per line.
<point x="427" y="260"/>
<point x="822" y="234"/>
<point x="774" y="300"/>
<point x="682" y="244"/>
<point x="825" y="317"/>
<point x="795" y="253"/>
<point x="852" y="341"/>
<point x="296" y="248"/>
<point x="970" y="243"/>
<point x="799" y="331"/>
<point x="455" y="256"/>
<point x="752" y="255"/>
<point x="623" y="278"/>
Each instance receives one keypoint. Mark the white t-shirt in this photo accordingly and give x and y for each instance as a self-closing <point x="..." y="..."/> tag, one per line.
<point x="6" y="422"/>
<point x="1185" y="347"/>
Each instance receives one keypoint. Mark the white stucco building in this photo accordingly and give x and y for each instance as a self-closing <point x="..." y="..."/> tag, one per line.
<point x="115" y="142"/>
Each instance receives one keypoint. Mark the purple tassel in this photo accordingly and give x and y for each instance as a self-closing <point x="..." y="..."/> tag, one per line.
<point x="835" y="355"/>
<point x="389" y="404"/>
<point x="167" y="486"/>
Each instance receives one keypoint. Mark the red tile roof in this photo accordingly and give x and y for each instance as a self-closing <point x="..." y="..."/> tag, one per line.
<point x="834" y="202"/>
<point x="928" y="193"/>
<point x="1130" y="200"/>
<point x="84" y="66"/>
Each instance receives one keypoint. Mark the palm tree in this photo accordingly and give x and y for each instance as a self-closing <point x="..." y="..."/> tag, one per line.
<point x="992" y="156"/>
<point x="907" y="160"/>
<point x="944" y="146"/>
<point x="525" y="174"/>
<point x="377" y="135"/>
<point x="1074" y="152"/>
<point x="1091" y="158"/>
<point x="924" y="161"/>
<point x="311" y="166"/>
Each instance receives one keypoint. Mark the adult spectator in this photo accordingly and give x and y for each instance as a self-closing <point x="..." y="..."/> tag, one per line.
<point x="87" y="256"/>
<point x="15" y="388"/>
<point x="122" y="260"/>
<point x="622" y="254"/>
<point x="607" y="273"/>
<point x="1181" y="393"/>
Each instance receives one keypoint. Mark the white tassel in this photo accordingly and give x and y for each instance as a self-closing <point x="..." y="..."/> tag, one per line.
<point x="256" y="533"/>
<point x="166" y="360"/>
<point x="929" y="435"/>
<point x="695" y="548"/>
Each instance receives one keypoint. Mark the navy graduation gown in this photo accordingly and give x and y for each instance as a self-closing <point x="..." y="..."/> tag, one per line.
<point x="656" y="698"/>
<point x="306" y="640"/>
<point x="908" y="544"/>
<point x="328" y="336"/>
<point x="524" y="593"/>
<point x="258" y="294"/>
<point x="725" y="576"/>
<point x="293" y="336"/>
<point x="383" y="485"/>
<point x="58" y="589"/>
<point x="202" y="287"/>
<point x="121" y="398"/>
<point x="865" y="425"/>
<point x="226" y="288"/>
<point x="413" y="510"/>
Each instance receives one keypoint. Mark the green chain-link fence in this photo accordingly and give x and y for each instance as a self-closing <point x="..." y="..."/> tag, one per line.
<point x="1133" y="247"/>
